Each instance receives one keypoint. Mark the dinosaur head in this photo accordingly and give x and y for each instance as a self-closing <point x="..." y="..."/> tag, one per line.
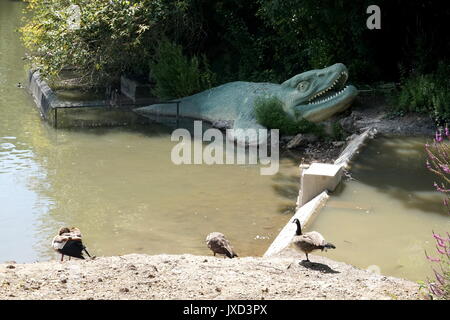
<point x="318" y="94"/>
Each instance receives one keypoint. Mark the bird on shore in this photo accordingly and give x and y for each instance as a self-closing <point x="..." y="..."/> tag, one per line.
<point x="68" y="242"/>
<point x="217" y="242"/>
<point x="309" y="241"/>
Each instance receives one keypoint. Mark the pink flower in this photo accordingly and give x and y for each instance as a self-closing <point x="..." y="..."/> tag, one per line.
<point x="438" y="237"/>
<point x="432" y="259"/>
<point x="439" y="277"/>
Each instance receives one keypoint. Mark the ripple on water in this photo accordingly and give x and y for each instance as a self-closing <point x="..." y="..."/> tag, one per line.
<point x="7" y="146"/>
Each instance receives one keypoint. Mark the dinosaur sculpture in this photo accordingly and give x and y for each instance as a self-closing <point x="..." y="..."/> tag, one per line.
<point x="314" y="95"/>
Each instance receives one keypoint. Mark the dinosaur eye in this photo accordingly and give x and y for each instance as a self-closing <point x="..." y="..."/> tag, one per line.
<point x="302" y="86"/>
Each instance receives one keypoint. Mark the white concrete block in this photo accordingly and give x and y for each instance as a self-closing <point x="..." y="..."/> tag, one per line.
<point x="318" y="178"/>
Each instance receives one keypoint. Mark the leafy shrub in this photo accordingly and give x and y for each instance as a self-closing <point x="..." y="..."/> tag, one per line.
<point x="176" y="75"/>
<point x="269" y="113"/>
<point x="338" y="132"/>
<point x="115" y="37"/>
<point x="429" y="93"/>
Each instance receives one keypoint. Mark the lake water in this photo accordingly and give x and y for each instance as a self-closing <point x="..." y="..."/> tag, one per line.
<point x="119" y="185"/>
<point x="385" y="217"/>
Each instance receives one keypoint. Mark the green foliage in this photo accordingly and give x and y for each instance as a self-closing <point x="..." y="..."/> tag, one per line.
<point x="429" y="93"/>
<point x="176" y="75"/>
<point x="338" y="132"/>
<point x="253" y="40"/>
<point x="269" y="113"/>
<point x="114" y="37"/>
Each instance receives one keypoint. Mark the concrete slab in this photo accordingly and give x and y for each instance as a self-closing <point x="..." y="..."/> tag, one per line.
<point x="304" y="215"/>
<point x="317" y="178"/>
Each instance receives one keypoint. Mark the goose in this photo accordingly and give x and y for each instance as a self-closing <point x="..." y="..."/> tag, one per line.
<point x="68" y="242"/>
<point x="217" y="242"/>
<point x="309" y="241"/>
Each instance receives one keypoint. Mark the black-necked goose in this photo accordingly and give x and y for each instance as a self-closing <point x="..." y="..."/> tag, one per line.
<point x="309" y="241"/>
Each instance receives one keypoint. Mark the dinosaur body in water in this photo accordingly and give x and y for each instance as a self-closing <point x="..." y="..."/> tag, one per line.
<point x="314" y="95"/>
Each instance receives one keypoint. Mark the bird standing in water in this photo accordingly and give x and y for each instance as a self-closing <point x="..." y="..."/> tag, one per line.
<point x="217" y="242"/>
<point x="68" y="242"/>
<point x="309" y="241"/>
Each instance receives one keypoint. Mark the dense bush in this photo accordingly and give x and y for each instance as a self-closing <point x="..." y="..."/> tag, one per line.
<point x="269" y="113"/>
<point x="114" y="37"/>
<point x="176" y="75"/>
<point x="429" y="93"/>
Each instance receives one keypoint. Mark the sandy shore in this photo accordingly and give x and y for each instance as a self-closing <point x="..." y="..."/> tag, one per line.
<point x="139" y="276"/>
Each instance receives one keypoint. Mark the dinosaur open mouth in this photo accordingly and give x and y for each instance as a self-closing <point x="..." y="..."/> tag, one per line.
<point x="332" y="92"/>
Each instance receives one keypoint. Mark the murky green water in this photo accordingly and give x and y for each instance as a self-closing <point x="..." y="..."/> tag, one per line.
<point x="118" y="185"/>
<point x="386" y="217"/>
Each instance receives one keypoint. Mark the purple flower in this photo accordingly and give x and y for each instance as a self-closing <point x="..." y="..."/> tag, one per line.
<point x="445" y="168"/>
<point x="436" y="290"/>
<point x="431" y="258"/>
<point x="439" y="277"/>
<point x="438" y="237"/>
<point x="447" y="132"/>
<point x="438" y="137"/>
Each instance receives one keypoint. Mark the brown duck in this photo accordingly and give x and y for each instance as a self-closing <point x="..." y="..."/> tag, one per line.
<point x="217" y="242"/>
<point x="309" y="241"/>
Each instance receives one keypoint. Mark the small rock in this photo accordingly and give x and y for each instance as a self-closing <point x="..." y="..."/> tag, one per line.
<point x="10" y="266"/>
<point x="295" y="142"/>
<point x="131" y="267"/>
<point x="123" y="290"/>
<point x="353" y="136"/>
<point x="218" y="289"/>
<point x="286" y="139"/>
<point x="310" y="138"/>
<point x="100" y="280"/>
<point x="64" y="280"/>
<point x="223" y="124"/>
<point x="338" y="143"/>
<point x="348" y="124"/>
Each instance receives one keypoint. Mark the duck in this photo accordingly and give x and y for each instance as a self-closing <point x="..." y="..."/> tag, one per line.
<point x="217" y="242"/>
<point x="68" y="241"/>
<point x="310" y="241"/>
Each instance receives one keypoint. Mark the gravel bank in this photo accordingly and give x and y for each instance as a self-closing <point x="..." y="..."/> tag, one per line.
<point x="139" y="276"/>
